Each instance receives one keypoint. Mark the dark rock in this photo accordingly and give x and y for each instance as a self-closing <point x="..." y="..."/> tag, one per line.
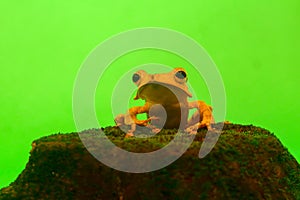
<point x="247" y="163"/>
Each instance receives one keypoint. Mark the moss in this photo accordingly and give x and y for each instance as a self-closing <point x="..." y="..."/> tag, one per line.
<point x="247" y="163"/>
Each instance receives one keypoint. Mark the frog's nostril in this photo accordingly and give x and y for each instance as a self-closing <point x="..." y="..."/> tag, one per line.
<point x="135" y="77"/>
<point x="180" y="74"/>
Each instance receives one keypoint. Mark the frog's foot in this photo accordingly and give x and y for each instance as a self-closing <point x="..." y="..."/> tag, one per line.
<point x="129" y="134"/>
<point x="155" y="130"/>
<point x="131" y="131"/>
<point x="192" y="129"/>
<point x="206" y="124"/>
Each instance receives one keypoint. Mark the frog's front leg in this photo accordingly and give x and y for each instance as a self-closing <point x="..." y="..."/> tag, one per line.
<point x="125" y="119"/>
<point x="132" y="115"/>
<point x="201" y="118"/>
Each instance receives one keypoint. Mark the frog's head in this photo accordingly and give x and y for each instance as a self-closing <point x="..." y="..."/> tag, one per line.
<point x="177" y="78"/>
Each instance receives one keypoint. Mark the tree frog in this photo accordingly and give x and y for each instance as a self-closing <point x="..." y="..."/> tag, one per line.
<point x="166" y="104"/>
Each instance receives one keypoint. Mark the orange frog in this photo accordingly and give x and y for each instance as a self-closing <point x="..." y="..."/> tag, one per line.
<point x="167" y="106"/>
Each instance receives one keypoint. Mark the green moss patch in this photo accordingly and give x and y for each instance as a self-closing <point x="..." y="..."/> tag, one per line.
<point x="246" y="163"/>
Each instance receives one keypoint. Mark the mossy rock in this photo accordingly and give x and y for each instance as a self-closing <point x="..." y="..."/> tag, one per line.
<point x="246" y="163"/>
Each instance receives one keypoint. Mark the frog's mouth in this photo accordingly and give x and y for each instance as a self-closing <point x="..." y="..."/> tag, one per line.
<point x="157" y="91"/>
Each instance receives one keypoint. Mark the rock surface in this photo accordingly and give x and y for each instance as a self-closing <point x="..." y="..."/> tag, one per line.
<point x="247" y="163"/>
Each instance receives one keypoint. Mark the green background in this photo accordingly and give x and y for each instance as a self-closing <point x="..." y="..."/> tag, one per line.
<point x="255" y="45"/>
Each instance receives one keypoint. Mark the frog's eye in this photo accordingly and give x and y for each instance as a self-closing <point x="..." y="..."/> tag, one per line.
<point x="136" y="78"/>
<point x="180" y="74"/>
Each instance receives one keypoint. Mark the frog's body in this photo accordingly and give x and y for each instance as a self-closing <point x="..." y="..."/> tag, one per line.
<point x="167" y="105"/>
<point x="158" y="94"/>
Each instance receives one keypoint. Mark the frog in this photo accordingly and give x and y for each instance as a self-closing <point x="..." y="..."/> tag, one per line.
<point x="166" y="104"/>
<point x="125" y="119"/>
